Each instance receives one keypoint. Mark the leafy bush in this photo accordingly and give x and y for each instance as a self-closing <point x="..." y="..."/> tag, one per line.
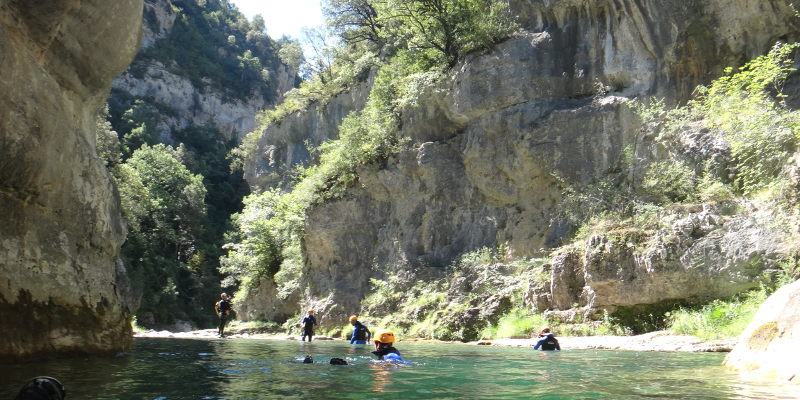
<point x="669" y="182"/>
<point x="745" y="107"/>
<point x="712" y="190"/>
<point x="517" y="322"/>
<point x="163" y="203"/>
<point x="719" y="319"/>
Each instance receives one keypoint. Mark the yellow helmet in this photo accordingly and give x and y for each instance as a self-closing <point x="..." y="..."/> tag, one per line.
<point x="353" y="318"/>
<point x="384" y="336"/>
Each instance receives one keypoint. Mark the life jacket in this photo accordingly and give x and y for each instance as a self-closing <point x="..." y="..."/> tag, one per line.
<point x="361" y="331"/>
<point x="384" y="350"/>
<point x="550" y="344"/>
<point x="308" y="322"/>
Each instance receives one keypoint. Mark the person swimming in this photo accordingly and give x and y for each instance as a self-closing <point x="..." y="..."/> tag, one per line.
<point x="547" y="341"/>
<point x="42" y="388"/>
<point x="384" y="346"/>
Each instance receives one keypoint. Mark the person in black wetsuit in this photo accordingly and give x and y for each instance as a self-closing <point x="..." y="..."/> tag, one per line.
<point x="308" y="324"/>
<point x="223" y="309"/>
<point x="42" y="388"/>
<point x="547" y="341"/>
<point x="361" y="333"/>
<point x="384" y="346"/>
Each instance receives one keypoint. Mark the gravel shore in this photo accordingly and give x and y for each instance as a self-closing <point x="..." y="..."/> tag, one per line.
<point x="654" y="341"/>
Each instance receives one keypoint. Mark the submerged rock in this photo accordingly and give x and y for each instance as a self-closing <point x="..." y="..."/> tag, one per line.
<point x="60" y="225"/>
<point x="770" y="346"/>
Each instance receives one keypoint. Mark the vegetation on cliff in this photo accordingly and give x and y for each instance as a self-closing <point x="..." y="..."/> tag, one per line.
<point x="213" y="44"/>
<point x="178" y="197"/>
<point x="406" y="46"/>
<point x="743" y="110"/>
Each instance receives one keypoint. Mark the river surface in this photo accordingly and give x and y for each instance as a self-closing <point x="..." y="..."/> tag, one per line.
<point x="158" y="368"/>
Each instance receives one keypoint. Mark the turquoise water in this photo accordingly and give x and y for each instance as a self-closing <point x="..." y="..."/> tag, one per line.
<point x="262" y="369"/>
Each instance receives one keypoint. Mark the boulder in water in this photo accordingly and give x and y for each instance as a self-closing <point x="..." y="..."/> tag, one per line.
<point x="770" y="346"/>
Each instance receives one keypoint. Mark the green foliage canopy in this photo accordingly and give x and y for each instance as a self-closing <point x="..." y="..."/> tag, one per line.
<point x="164" y="205"/>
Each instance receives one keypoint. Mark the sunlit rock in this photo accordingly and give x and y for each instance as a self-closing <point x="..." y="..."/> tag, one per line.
<point x="60" y="225"/>
<point x="770" y="346"/>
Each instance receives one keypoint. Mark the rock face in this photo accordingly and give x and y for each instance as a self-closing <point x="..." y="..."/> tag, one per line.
<point x="701" y="255"/>
<point x="160" y="18"/>
<point x="187" y="104"/>
<point x="191" y="106"/>
<point x="288" y="144"/>
<point x="61" y="228"/>
<point x="770" y="346"/>
<point x="495" y="145"/>
<point x="265" y="303"/>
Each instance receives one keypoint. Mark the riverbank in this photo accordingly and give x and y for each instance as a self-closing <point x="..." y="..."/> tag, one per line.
<point x="653" y="341"/>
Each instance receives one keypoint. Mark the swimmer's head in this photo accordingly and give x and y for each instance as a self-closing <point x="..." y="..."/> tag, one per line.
<point x="42" y="388"/>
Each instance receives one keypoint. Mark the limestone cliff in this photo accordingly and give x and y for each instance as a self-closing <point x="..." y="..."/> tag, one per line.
<point x="770" y="345"/>
<point x="183" y="103"/>
<point x="495" y="145"/>
<point x="288" y="144"/>
<point x="60" y="229"/>
<point x="702" y="253"/>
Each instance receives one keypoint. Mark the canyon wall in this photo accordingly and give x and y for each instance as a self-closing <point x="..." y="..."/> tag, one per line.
<point x="183" y="103"/>
<point x="62" y="290"/>
<point x="495" y="145"/>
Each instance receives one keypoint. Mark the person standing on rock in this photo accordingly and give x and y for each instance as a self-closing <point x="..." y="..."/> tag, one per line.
<point x="308" y="324"/>
<point x="547" y="341"/>
<point x="361" y="333"/>
<point x="223" y="309"/>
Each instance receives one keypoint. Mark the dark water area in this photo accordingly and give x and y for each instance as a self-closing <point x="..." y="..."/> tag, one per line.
<point x="263" y="369"/>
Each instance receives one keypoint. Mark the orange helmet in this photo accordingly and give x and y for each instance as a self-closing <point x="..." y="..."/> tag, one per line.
<point x="384" y="336"/>
<point x="353" y="318"/>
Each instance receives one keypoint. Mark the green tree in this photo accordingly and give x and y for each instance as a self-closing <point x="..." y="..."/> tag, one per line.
<point x="255" y="247"/>
<point x="107" y="140"/>
<point x="165" y="211"/>
<point x="446" y="30"/>
<point x="290" y="53"/>
<point x="355" y="21"/>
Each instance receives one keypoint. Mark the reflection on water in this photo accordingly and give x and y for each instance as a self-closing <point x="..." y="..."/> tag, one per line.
<point x="247" y="369"/>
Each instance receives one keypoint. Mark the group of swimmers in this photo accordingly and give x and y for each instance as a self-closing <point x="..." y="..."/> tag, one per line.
<point x="383" y="338"/>
<point x="47" y="388"/>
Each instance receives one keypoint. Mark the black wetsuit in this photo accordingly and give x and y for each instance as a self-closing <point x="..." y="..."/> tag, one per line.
<point x="384" y="350"/>
<point x="548" y="342"/>
<point x="361" y="333"/>
<point x="308" y="327"/>
<point x="224" y="307"/>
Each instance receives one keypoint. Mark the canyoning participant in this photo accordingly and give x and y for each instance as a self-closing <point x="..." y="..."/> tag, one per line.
<point x="223" y="310"/>
<point x="42" y="388"/>
<point x="361" y="333"/>
<point x="547" y="341"/>
<point x="384" y="349"/>
<point x="308" y="324"/>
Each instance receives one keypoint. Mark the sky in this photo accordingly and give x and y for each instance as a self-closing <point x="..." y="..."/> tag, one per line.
<point x="283" y="17"/>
